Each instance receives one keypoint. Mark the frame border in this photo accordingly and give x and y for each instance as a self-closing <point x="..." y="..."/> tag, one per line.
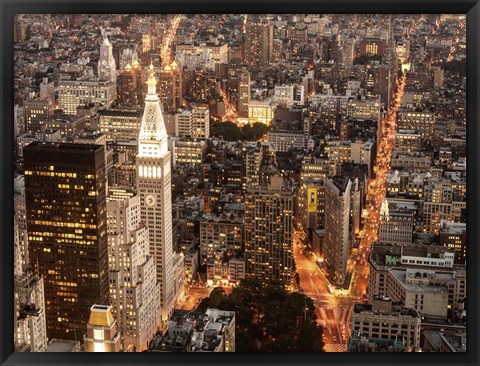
<point x="8" y="8"/>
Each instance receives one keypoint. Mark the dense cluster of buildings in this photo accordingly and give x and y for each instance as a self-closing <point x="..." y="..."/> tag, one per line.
<point x="125" y="195"/>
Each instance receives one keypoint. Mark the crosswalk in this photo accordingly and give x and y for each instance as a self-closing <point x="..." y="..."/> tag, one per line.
<point x="335" y="347"/>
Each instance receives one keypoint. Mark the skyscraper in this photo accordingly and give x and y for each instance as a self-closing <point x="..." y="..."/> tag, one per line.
<point x="134" y="291"/>
<point x="337" y="226"/>
<point x="30" y="328"/>
<point x="137" y="69"/>
<point x="67" y="229"/>
<point x="268" y="231"/>
<point x="243" y="92"/>
<point x="155" y="191"/>
<point x="107" y="69"/>
<point x="170" y="87"/>
<point x="258" y="44"/>
<point x="127" y="86"/>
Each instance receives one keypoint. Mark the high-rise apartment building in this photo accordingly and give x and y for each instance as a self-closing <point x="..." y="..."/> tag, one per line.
<point x="268" y="231"/>
<point x="243" y="92"/>
<point x="170" y="87"/>
<point x="258" y="44"/>
<point x="361" y="152"/>
<point x="338" y="152"/>
<point x="155" y="190"/>
<point x="220" y="233"/>
<point x="253" y="163"/>
<point x="364" y="109"/>
<point x="453" y="235"/>
<point x="65" y="187"/>
<point x="127" y="86"/>
<point x="337" y="226"/>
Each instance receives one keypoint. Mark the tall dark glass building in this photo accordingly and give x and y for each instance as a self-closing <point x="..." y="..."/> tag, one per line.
<point x="65" y="189"/>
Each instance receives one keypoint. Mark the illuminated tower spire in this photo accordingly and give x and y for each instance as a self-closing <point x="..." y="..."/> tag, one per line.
<point x="155" y="191"/>
<point x="153" y="135"/>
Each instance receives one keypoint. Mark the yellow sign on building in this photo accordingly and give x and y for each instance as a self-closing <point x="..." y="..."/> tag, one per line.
<point x="312" y="200"/>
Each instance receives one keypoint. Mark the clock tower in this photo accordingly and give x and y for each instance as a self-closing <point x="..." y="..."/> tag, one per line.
<point x="107" y="69"/>
<point x="155" y="191"/>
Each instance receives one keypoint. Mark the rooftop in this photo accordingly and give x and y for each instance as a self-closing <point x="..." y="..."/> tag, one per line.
<point x="62" y="146"/>
<point x="61" y="345"/>
<point x="101" y="315"/>
<point x="385" y="306"/>
<point x="402" y="276"/>
<point x="429" y="251"/>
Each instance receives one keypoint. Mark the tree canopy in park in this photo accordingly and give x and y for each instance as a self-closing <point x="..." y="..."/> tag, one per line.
<point x="269" y="318"/>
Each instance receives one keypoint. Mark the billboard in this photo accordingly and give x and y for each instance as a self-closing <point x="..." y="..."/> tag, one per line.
<point x="312" y="200"/>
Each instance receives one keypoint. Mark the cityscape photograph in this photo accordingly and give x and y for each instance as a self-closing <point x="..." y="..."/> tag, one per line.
<point x="240" y="183"/>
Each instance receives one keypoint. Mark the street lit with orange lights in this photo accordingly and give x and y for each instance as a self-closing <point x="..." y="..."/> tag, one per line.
<point x="292" y="183"/>
<point x="455" y="41"/>
<point x="334" y="310"/>
<point x="167" y="41"/>
<point x="230" y="110"/>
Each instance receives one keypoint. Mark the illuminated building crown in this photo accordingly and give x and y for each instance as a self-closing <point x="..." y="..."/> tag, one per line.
<point x="153" y="135"/>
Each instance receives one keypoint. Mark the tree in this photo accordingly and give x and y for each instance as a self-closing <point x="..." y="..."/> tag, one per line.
<point x="228" y="130"/>
<point x="457" y="66"/>
<point x="254" y="132"/>
<point x="268" y="318"/>
<point x="366" y="59"/>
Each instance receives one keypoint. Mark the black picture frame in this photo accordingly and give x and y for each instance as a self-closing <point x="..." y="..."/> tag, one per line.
<point x="8" y="8"/>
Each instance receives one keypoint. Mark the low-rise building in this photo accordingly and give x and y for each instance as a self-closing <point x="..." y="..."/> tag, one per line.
<point x="120" y="123"/>
<point x="194" y="331"/>
<point x="420" y="277"/>
<point x="396" y="224"/>
<point x="188" y="151"/>
<point x="386" y="319"/>
<point x="284" y="140"/>
<point x="453" y="235"/>
<point x="63" y="345"/>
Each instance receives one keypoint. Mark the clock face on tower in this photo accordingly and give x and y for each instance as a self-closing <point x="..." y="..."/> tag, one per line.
<point x="104" y="62"/>
<point x="150" y="200"/>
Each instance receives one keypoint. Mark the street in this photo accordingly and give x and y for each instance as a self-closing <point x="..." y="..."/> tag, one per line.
<point x="334" y="313"/>
<point x="194" y="296"/>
